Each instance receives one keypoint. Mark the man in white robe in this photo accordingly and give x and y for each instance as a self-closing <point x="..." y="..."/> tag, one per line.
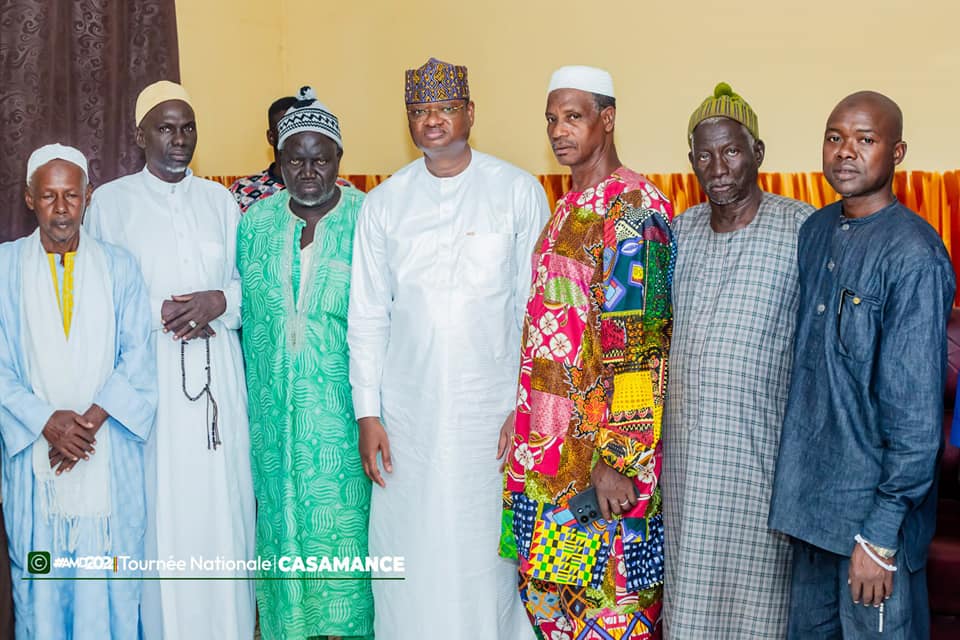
<point x="77" y="402"/>
<point x="441" y="274"/>
<point x="182" y="230"/>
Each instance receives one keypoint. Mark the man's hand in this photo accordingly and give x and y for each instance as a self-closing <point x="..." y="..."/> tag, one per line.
<point x="71" y="435"/>
<point x="57" y="458"/>
<point x="868" y="582"/>
<point x="373" y="440"/>
<point x="189" y="316"/>
<point x="506" y="439"/>
<point x="93" y="418"/>
<point x="615" y="491"/>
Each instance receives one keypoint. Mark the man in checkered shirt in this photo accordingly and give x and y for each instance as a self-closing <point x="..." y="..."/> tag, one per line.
<point x="735" y="296"/>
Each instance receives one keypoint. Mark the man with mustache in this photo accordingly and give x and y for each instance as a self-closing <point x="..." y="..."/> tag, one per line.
<point x="182" y="230"/>
<point x="249" y="189"/>
<point x="294" y="251"/>
<point x="735" y="293"/>
<point x="582" y="507"/>
<point x="78" y="394"/>
<point x="440" y="278"/>
<point x="854" y="484"/>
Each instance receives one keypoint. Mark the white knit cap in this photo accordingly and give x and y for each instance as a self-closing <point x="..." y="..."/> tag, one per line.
<point x="589" y="79"/>
<point x="56" y="151"/>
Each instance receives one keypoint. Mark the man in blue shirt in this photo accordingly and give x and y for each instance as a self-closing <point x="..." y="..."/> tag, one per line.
<point x="78" y="396"/>
<point x="854" y="483"/>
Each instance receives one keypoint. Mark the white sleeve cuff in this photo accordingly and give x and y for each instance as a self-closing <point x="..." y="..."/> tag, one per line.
<point x="366" y="402"/>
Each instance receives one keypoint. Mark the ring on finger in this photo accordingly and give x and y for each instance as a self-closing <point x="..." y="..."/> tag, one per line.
<point x="624" y="503"/>
<point x="193" y="324"/>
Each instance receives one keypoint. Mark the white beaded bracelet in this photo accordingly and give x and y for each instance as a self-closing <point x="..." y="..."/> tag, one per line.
<point x="873" y="556"/>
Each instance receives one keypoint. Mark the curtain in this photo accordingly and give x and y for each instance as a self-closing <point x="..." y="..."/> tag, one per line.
<point x="70" y="72"/>
<point x="935" y="196"/>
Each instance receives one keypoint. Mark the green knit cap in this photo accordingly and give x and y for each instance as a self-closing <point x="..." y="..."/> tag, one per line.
<point x="727" y="104"/>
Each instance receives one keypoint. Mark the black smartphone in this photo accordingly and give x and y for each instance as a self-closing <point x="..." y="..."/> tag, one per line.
<point x="585" y="507"/>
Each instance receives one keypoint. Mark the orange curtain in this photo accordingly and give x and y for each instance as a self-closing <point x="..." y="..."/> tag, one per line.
<point x="935" y="196"/>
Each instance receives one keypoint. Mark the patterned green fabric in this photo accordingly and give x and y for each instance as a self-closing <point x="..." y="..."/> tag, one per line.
<point x="313" y="498"/>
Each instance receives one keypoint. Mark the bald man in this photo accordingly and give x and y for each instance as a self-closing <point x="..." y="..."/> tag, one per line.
<point x="854" y="478"/>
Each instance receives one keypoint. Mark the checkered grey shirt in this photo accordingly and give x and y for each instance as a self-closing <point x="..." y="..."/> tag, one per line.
<point x="735" y="299"/>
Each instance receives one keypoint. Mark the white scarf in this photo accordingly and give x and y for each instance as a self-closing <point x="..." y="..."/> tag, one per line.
<point x="68" y="373"/>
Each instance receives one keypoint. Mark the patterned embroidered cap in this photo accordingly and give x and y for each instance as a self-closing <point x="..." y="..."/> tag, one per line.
<point x="308" y="114"/>
<point x="436" y="81"/>
<point x="727" y="104"/>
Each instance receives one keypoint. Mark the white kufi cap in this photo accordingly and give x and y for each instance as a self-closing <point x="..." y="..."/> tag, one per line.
<point x="589" y="79"/>
<point x="56" y="151"/>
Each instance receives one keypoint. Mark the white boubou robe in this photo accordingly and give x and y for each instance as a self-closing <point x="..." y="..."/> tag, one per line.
<point x="200" y="500"/>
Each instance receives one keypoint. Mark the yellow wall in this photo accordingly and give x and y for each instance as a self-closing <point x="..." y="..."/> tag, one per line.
<point x="792" y="61"/>
<point x="230" y="64"/>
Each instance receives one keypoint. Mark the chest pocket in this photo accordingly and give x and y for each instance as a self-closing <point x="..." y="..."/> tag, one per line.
<point x="330" y="293"/>
<point x="858" y="325"/>
<point x="212" y="254"/>
<point x="486" y="261"/>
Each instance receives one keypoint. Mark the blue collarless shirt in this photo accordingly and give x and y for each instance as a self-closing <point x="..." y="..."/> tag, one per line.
<point x="864" y="418"/>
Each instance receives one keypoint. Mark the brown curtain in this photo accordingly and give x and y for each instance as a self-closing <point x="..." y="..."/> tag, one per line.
<point x="70" y="72"/>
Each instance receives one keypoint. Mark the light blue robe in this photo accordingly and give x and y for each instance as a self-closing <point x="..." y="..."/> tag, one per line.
<point x="68" y="609"/>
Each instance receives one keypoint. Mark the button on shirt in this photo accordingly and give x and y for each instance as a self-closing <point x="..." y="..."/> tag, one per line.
<point x="864" y="415"/>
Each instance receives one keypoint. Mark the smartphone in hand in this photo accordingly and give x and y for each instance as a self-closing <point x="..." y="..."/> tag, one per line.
<point x="585" y="507"/>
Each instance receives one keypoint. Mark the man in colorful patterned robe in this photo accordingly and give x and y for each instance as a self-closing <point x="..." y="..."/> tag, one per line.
<point x="592" y="379"/>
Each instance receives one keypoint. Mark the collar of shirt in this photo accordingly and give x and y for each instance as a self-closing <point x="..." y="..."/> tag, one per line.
<point x="876" y="215"/>
<point x="161" y="187"/>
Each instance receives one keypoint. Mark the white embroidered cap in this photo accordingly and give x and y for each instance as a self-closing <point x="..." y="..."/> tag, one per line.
<point x="589" y="79"/>
<point x="55" y="151"/>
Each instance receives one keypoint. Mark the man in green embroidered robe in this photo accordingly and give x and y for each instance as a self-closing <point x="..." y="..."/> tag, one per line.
<point x="313" y="498"/>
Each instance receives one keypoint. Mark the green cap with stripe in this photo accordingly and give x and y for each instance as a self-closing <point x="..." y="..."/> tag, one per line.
<point x="724" y="103"/>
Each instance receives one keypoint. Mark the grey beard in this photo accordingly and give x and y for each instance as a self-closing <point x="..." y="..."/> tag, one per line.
<point x="315" y="201"/>
<point x="175" y="168"/>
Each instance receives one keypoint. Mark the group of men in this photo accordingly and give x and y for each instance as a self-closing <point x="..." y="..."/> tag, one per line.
<point x="396" y="345"/>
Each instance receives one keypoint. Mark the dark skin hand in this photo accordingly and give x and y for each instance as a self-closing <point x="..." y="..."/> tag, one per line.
<point x="615" y="491"/>
<point x="92" y="419"/>
<point x="869" y="583"/>
<point x="373" y="440"/>
<point x="203" y="307"/>
<point x="506" y="440"/>
<point x="70" y="434"/>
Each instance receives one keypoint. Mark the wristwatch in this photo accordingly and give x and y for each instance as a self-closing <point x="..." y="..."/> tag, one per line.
<point x="883" y="552"/>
